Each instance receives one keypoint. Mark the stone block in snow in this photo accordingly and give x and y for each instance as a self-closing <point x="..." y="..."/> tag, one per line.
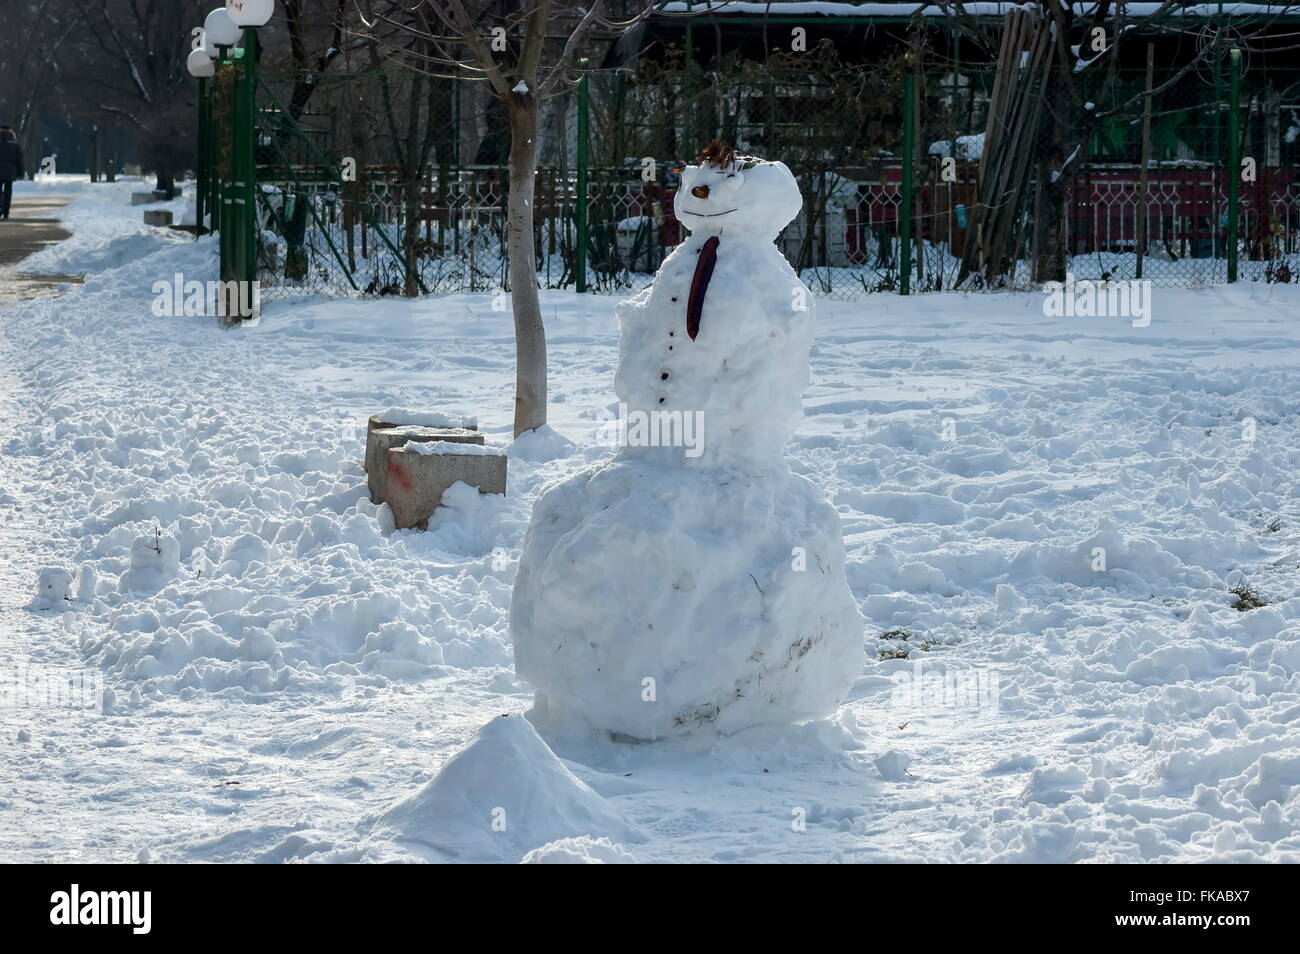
<point x="380" y="442"/>
<point x="419" y="473"/>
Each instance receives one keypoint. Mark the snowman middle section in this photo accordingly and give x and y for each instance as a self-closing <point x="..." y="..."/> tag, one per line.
<point x="743" y="376"/>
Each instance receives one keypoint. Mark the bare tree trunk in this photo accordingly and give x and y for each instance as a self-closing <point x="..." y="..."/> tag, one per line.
<point x="412" y="174"/>
<point x="530" y="335"/>
<point x="1054" y="168"/>
<point x="411" y="235"/>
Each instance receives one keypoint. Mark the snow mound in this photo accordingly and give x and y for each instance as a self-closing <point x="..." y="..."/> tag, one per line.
<point x="892" y="766"/>
<point x="402" y="416"/>
<point x="542" y="444"/>
<point x="52" y="587"/>
<point x="583" y="850"/>
<point x="503" y="795"/>
<point x="106" y="229"/>
<point x="155" y="560"/>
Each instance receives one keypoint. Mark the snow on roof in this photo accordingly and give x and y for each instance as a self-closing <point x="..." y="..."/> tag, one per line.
<point x="832" y="8"/>
<point x="968" y="147"/>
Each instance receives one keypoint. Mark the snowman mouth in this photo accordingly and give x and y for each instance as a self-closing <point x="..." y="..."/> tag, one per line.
<point x="707" y="215"/>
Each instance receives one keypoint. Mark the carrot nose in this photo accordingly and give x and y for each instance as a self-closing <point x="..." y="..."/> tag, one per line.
<point x="700" y="192"/>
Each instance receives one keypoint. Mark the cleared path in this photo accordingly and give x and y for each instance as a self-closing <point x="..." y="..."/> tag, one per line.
<point x="31" y="226"/>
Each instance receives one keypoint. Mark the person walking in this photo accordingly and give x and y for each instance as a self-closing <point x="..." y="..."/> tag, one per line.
<point x="11" y="167"/>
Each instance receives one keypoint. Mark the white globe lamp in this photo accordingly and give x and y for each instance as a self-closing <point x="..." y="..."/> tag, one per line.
<point x="250" y="13"/>
<point x="219" y="30"/>
<point x="200" y="64"/>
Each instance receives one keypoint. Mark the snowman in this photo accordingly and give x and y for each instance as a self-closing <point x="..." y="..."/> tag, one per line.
<point x="692" y="582"/>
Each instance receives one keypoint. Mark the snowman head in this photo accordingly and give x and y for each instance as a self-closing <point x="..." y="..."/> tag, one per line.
<point x="733" y="195"/>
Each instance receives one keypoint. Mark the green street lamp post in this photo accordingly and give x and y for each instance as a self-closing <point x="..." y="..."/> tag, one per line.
<point x="201" y="68"/>
<point x="248" y="16"/>
<point x="220" y="34"/>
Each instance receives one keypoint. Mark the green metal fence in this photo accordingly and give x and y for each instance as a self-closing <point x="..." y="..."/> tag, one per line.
<point x="1184" y="176"/>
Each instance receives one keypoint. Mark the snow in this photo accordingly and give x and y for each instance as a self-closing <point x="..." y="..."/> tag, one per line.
<point x="583" y="850"/>
<point x="406" y="417"/>
<point x="53" y="585"/>
<point x="977" y="454"/>
<point x="542" y="444"/>
<point x="968" y="147"/>
<point x="892" y="765"/>
<point x="155" y="561"/>
<point x="104" y="236"/>
<point x="434" y="448"/>
<point x="503" y="795"/>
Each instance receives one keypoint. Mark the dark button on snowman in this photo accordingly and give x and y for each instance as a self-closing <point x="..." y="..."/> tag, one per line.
<point x="696" y="584"/>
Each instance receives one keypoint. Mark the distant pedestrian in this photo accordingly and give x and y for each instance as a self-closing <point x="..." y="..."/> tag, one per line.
<point x="11" y="167"/>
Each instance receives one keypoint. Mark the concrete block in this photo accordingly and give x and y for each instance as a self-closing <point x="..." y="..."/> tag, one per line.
<point x="157" y="217"/>
<point x="380" y="423"/>
<point x="380" y="442"/>
<point x="417" y="480"/>
<point x="143" y="198"/>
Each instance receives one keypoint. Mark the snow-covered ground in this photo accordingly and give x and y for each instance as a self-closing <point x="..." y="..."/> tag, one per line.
<point x="1045" y="515"/>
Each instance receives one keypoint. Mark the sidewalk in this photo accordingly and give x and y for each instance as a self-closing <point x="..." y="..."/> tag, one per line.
<point x="29" y="228"/>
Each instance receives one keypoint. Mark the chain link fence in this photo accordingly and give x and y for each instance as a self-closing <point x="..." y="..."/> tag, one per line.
<point x="395" y="183"/>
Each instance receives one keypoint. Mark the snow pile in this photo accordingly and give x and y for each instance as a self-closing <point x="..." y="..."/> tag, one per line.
<point x="107" y="230"/>
<point x="405" y="417"/>
<point x="542" y="444"/>
<point x="503" y="795"/>
<point x="583" y="850"/>
<point x="453" y="448"/>
<point x="53" y="586"/>
<point x="892" y="765"/>
<point x="155" y="560"/>
<point x="697" y="583"/>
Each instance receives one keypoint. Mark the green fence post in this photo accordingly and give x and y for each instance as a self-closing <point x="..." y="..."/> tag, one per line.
<point x="690" y="127"/>
<point x="580" y="207"/>
<point x="1234" y="161"/>
<point x="905" y="212"/>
